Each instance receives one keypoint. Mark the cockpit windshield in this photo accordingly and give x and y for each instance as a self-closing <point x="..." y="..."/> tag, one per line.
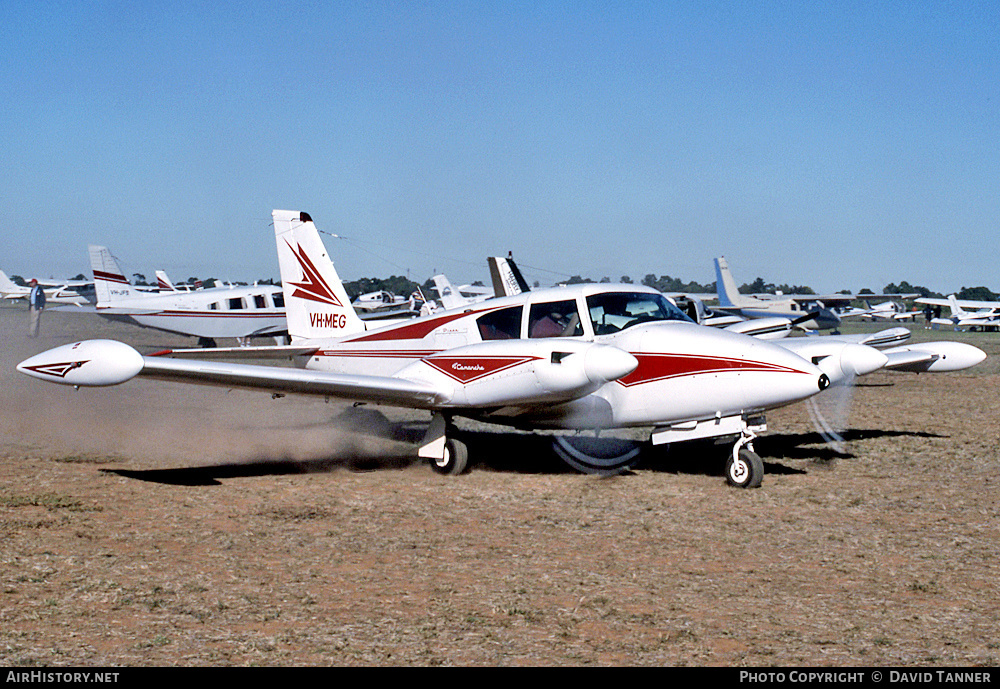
<point x="614" y="311"/>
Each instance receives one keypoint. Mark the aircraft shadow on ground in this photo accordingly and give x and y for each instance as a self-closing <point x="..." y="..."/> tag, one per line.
<point x="523" y="453"/>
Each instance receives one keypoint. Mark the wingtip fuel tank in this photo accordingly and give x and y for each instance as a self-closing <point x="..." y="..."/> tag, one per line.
<point x="91" y="363"/>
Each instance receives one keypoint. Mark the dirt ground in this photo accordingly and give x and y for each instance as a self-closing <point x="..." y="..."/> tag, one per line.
<point x="168" y="524"/>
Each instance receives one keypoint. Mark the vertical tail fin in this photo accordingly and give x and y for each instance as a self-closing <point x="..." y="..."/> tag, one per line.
<point x="8" y="286"/>
<point x="316" y="303"/>
<point x="956" y="310"/>
<point x="163" y="283"/>
<point x="449" y="296"/>
<point x="725" y="285"/>
<point x="110" y="282"/>
<point x="507" y="278"/>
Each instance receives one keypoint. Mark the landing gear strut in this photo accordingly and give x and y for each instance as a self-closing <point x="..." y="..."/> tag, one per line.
<point x="744" y="467"/>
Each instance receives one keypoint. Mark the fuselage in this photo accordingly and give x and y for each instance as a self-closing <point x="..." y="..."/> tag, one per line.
<point x="682" y="371"/>
<point x="218" y="312"/>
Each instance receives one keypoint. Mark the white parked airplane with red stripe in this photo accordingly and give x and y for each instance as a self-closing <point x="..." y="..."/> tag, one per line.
<point x="221" y="312"/>
<point x="584" y="357"/>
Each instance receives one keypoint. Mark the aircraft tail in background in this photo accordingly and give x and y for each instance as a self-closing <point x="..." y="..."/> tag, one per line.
<point x="725" y="285"/>
<point x="110" y="282"/>
<point x="507" y="278"/>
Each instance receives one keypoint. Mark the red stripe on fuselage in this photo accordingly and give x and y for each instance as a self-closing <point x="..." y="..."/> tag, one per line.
<point x="654" y="367"/>
<point x="418" y="329"/>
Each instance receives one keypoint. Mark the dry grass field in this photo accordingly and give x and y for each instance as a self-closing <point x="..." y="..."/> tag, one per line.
<point x="164" y="524"/>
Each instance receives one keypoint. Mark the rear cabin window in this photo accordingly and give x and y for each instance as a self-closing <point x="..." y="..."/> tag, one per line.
<point x="554" y="319"/>
<point x="279" y="300"/>
<point x="503" y="324"/>
<point x="259" y="301"/>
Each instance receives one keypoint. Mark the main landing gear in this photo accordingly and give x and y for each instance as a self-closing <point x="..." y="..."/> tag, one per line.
<point x="600" y="456"/>
<point x="449" y="456"/>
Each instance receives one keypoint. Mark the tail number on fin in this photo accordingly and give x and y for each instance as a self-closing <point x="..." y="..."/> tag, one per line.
<point x="327" y="320"/>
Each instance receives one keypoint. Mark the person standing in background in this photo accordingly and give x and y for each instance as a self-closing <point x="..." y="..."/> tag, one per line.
<point x="36" y="303"/>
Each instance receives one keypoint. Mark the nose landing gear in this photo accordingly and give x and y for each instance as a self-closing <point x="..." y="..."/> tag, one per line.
<point x="744" y="467"/>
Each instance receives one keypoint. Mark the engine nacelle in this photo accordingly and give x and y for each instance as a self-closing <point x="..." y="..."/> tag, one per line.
<point x="842" y="362"/>
<point x="89" y="363"/>
<point x="515" y="372"/>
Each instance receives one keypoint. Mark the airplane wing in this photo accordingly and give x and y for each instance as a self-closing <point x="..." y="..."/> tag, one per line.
<point x="278" y="380"/>
<point x="458" y="378"/>
<point x="106" y="362"/>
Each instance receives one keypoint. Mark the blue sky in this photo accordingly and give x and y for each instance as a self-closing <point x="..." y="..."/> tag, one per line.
<point x="839" y="145"/>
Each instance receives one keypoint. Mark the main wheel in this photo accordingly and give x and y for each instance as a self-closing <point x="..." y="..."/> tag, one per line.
<point x="455" y="460"/>
<point x="746" y="470"/>
<point x="600" y="456"/>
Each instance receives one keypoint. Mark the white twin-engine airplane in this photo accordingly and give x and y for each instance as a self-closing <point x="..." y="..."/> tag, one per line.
<point x="237" y="312"/>
<point x="584" y="357"/>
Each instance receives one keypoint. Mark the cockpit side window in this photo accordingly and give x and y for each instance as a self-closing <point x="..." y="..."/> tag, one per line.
<point x="503" y="324"/>
<point x="554" y="319"/>
<point x="614" y="311"/>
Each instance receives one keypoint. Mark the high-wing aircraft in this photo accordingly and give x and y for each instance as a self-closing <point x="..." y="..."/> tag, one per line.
<point x="822" y="316"/>
<point x="985" y="317"/>
<point x="56" y="292"/>
<point x="885" y="311"/>
<point x="583" y="357"/>
<point x="237" y="312"/>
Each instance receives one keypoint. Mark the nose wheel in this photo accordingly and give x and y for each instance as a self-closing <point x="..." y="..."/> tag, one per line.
<point x="744" y="467"/>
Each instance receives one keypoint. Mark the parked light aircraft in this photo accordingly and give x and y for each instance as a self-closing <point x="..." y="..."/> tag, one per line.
<point x="165" y="284"/>
<point x="56" y="292"/>
<point x="237" y="312"/>
<point x="792" y="307"/>
<point x="886" y="311"/>
<point x="985" y="317"/>
<point x="584" y="357"/>
<point x="827" y="351"/>
<point x="452" y="297"/>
